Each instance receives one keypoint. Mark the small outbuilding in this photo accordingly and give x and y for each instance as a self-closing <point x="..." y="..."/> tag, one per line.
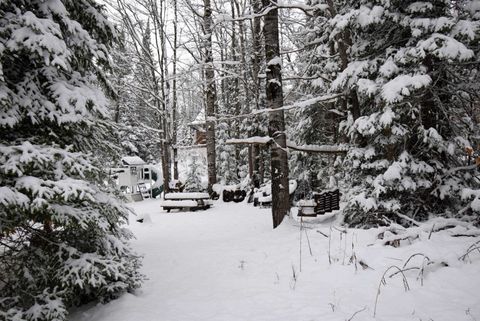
<point x="199" y="131"/>
<point x="132" y="177"/>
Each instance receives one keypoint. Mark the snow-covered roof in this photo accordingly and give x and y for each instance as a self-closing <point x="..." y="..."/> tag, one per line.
<point x="199" y="120"/>
<point x="132" y="160"/>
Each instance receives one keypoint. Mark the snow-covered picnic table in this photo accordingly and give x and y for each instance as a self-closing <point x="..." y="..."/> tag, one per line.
<point x="192" y="201"/>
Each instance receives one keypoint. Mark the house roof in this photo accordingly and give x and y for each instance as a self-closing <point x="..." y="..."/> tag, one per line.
<point x="199" y="120"/>
<point x="133" y="160"/>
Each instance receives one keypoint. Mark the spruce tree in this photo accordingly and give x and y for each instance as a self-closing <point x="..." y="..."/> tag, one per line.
<point x="193" y="181"/>
<point x="411" y="86"/>
<point x="61" y="237"/>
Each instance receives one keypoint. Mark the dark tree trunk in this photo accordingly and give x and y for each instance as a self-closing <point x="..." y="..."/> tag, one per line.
<point x="258" y="171"/>
<point x="174" y="92"/>
<point x="276" y="125"/>
<point x="250" y="161"/>
<point x="257" y="49"/>
<point x="210" y="95"/>
<point x="158" y="22"/>
<point x="428" y="112"/>
<point x="235" y="89"/>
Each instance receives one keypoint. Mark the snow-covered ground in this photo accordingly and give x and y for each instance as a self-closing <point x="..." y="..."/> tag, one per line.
<point x="226" y="263"/>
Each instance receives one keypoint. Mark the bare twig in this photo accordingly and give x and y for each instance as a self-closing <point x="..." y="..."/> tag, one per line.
<point x="426" y="261"/>
<point x="474" y="247"/>
<point x="300" y="248"/>
<point x="431" y="231"/>
<point x="384" y="282"/>
<point x="294" y="277"/>
<point x="329" y="245"/>
<point x="357" y="312"/>
<point x="414" y="255"/>
<point x="308" y="241"/>
<point x="320" y="232"/>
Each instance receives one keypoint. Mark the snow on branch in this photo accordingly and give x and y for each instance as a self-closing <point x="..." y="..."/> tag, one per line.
<point x="259" y="140"/>
<point x="265" y="140"/>
<point x="325" y="149"/>
<point x="300" y="104"/>
<point x="308" y="10"/>
<point x="191" y="146"/>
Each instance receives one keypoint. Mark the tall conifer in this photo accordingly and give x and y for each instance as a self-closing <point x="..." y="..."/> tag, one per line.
<point x="61" y="237"/>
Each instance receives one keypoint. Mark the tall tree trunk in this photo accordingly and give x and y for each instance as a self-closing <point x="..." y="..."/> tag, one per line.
<point x="276" y="125"/>
<point x="258" y="172"/>
<point x="257" y="49"/>
<point x="174" y="91"/>
<point x="243" y="94"/>
<point x="235" y="88"/>
<point x="158" y="21"/>
<point x="210" y="96"/>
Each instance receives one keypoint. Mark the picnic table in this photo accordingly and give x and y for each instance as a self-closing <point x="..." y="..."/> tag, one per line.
<point x="191" y="201"/>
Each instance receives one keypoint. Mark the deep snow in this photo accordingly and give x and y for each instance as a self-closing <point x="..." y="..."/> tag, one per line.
<point x="226" y="263"/>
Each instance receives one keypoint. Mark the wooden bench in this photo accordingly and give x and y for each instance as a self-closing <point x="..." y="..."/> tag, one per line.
<point x="322" y="203"/>
<point x="192" y="201"/>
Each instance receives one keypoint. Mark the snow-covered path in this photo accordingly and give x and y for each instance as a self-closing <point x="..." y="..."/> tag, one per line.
<point x="227" y="263"/>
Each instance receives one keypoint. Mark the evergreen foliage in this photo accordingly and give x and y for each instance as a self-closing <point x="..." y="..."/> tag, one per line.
<point x="317" y="124"/>
<point x="61" y="237"/>
<point x="193" y="181"/>
<point x="225" y="155"/>
<point x="410" y="75"/>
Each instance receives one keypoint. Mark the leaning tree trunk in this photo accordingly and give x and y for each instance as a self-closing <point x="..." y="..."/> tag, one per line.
<point x="276" y="124"/>
<point x="210" y="95"/>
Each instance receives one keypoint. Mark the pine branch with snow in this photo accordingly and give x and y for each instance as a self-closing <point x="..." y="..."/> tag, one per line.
<point x="410" y="98"/>
<point x="62" y="240"/>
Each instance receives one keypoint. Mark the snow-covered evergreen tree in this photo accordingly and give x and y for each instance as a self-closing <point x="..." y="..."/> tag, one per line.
<point x="193" y="182"/>
<point x="411" y="82"/>
<point x="225" y="155"/>
<point x="61" y="237"/>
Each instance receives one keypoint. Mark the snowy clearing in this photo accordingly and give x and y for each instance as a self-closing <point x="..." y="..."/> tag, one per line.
<point x="226" y="263"/>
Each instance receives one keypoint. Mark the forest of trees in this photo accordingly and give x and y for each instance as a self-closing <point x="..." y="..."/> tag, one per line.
<point x="384" y="94"/>
<point x="392" y="82"/>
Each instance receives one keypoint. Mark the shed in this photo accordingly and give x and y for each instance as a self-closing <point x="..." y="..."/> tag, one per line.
<point x="198" y="126"/>
<point x="132" y="175"/>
